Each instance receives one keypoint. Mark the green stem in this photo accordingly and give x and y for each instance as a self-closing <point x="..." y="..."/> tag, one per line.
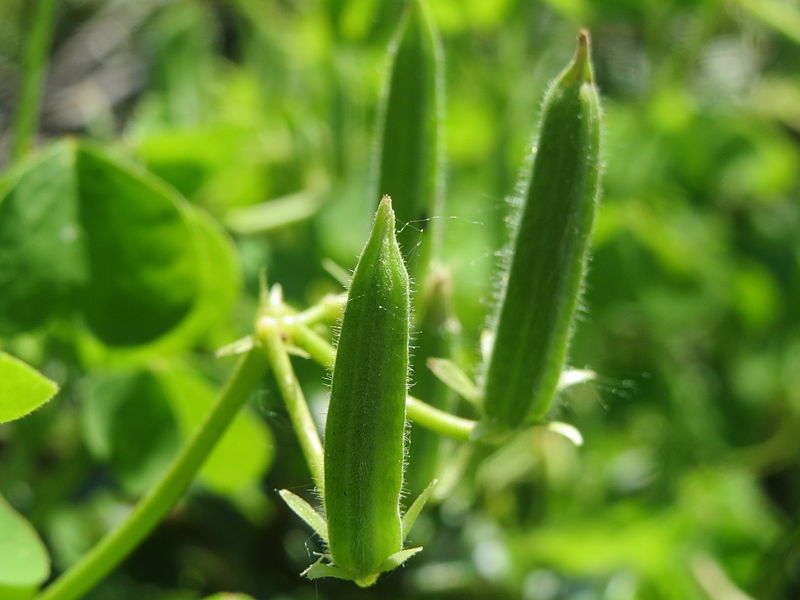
<point x="269" y="335"/>
<point x="418" y="411"/>
<point x="95" y="565"/>
<point x="438" y="420"/>
<point x="34" y="65"/>
<point x="328" y="309"/>
<point x="320" y="350"/>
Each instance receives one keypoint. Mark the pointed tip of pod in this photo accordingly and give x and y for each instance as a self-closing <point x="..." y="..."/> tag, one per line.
<point x="384" y="217"/>
<point x="383" y="235"/>
<point x="580" y="69"/>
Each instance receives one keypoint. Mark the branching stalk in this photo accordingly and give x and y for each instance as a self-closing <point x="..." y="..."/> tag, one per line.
<point x="439" y="421"/>
<point x="425" y="415"/>
<point x="270" y="336"/>
<point x="113" y="549"/>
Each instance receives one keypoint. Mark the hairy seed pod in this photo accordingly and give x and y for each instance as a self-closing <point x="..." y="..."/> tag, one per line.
<point x="364" y="431"/>
<point x="411" y="137"/>
<point x="549" y="250"/>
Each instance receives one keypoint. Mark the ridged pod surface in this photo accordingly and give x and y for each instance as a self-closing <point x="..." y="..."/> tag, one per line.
<point x="411" y="139"/>
<point x="549" y="250"/>
<point x="364" y="432"/>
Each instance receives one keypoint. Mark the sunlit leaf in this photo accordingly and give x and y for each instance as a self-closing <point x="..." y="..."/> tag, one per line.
<point x="22" y="388"/>
<point x="306" y="512"/>
<point x="24" y="564"/>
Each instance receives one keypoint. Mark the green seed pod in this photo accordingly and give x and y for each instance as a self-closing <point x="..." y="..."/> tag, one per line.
<point x="364" y="432"/>
<point x="410" y="130"/>
<point x="549" y="250"/>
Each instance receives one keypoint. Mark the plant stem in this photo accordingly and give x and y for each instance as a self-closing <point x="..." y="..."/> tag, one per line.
<point x="99" y="561"/>
<point x="327" y="309"/>
<point x="34" y="64"/>
<point x="317" y="347"/>
<point x="304" y="426"/>
<point x="438" y="420"/>
<point x="418" y="411"/>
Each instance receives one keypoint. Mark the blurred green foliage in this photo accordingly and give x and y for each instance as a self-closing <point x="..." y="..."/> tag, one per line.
<point x="688" y="485"/>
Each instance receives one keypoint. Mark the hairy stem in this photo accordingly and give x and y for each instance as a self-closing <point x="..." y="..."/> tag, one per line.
<point x="99" y="561"/>
<point x="304" y="426"/>
<point x="320" y="350"/>
<point x="438" y="420"/>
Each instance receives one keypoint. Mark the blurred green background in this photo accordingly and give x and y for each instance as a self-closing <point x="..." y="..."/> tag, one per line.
<point x="688" y="484"/>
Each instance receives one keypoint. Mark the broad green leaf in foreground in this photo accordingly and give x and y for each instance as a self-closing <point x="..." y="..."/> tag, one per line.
<point x="141" y="254"/>
<point x="24" y="563"/>
<point x="22" y="388"/>
<point x="82" y="232"/>
<point x="41" y="242"/>
<point x="219" y="285"/>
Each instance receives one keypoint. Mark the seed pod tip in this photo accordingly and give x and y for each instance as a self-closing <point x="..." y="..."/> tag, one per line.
<point x="581" y="67"/>
<point x="385" y="205"/>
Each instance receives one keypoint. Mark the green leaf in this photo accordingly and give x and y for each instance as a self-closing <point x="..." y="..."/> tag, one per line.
<point x="274" y="214"/>
<point x="128" y="424"/>
<point x="22" y="388"/>
<point x="42" y="245"/>
<point x="220" y="279"/>
<point x="416" y="508"/>
<point x="306" y="512"/>
<point x="245" y="451"/>
<point x="24" y="563"/>
<point x="84" y="233"/>
<point x="219" y="285"/>
<point x="454" y="377"/>
<point x="229" y="596"/>
<point x="142" y="259"/>
<point x="398" y="558"/>
<point x="319" y="569"/>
